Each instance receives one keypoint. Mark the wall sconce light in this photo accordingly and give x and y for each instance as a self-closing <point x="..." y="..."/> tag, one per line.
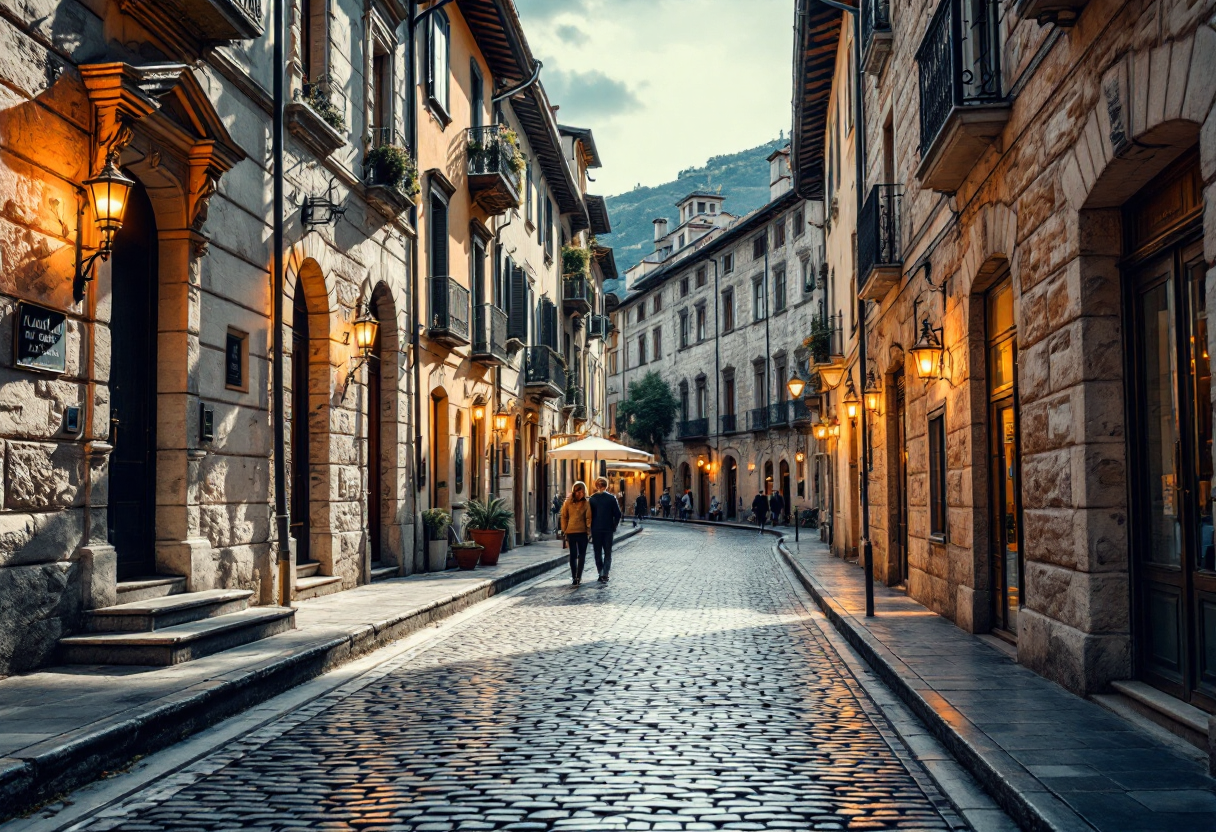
<point x="850" y="400"/>
<point x="800" y="457"/>
<point x="830" y="375"/>
<point x="821" y="431"/>
<point x="479" y="412"/>
<point x="321" y="210"/>
<point x="834" y="429"/>
<point x="366" y="327"/>
<point x="751" y="466"/>
<point x="700" y="462"/>
<point x="109" y="193"/>
<point x="500" y="421"/>
<point x="928" y="353"/>
<point x="872" y="393"/>
<point x="796" y="385"/>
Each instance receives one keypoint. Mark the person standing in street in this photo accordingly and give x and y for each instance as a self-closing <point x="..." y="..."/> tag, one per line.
<point x="665" y="504"/>
<point x="605" y="517"/>
<point x="639" y="508"/>
<point x="776" y="505"/>
<point x="576" y="528"/>
<point x="686" y="506"/>
<point x="760" y="509"/>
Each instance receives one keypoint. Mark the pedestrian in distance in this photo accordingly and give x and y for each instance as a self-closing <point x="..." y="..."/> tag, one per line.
<point x="605" y="517"/>
<point x="665" y="504"/>
<point x="776" y="505"/>
<point x="556" y="508"/>
<point x="715" y="509"/>
<point x="639" y="509"/>
<point x="686" y="506"/>
<point x="760" y="509"/>
<point x="576" y="528"/>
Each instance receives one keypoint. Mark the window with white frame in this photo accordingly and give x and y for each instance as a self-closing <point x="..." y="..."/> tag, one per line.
<point x="439" y="53"/>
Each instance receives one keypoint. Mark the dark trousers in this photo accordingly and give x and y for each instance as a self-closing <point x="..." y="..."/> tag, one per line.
<point x="578" y="554"/>
<point x="601" y="542"/>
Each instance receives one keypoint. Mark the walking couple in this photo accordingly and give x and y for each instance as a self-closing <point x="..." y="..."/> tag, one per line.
<point x="595" y="517"/>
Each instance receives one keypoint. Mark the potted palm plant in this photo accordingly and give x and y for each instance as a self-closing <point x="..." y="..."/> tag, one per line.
<point x="437" y="522"/>
<point x="487" y="524"/>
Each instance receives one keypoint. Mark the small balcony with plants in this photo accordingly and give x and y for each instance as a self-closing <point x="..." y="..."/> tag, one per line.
<point x="490" y="335"/>
<point x="317" y="116"/>
<point x="879" y="248"/>
<point x="575" y="402"/>
<point x="577" y="294"/>
<point x="496" y="165"/>
<point x="876" y="38"/>
<point x="448" y="322"/>
<point x="693" y="429"/>
<point x="825" y="341"/>
<point x="544" y="372"/>
<point x="963" y="109"/>
<point x="390" y="174"/>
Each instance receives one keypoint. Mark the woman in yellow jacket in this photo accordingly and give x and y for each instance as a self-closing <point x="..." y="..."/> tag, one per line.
<point x="576" y="528"/>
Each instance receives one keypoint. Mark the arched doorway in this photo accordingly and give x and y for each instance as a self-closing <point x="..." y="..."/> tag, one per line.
<point x="685" y="481"/>
<point x="731" y="467"/>
<point x="441" y="452"/>
<point x="375" y="451"/>
<point x="784" y="471"/>
<point x="131" y="513"/>
<point x="701" y="508"/>
<point x="385" y="489"/>
<point x="301" y="440"/>
<point x="767" y="485"/>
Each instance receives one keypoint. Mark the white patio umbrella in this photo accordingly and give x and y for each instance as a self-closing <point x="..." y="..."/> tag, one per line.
<point x="596" y="448"/>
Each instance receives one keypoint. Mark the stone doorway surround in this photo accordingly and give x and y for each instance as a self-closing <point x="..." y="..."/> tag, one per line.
<point x="179" y="159"/>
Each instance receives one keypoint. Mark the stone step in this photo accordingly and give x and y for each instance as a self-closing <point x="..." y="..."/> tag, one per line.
<point x="183" y="643"/>
<point x="1179" y="718"/>
<point x="317" y="586"/>
<point x="168" y="611"/>
<point x="307" y="570"/>
<point x="383" y="573"/>
<point x="153" y="586"/>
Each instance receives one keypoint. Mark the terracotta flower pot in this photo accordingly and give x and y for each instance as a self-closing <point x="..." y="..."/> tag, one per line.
<point x="491" y="544"/>
<point x="467" y="558"/>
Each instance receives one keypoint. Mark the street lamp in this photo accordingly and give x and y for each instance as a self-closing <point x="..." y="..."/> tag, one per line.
<point x="821" y="431"/>
<point x="479" y="412"/>
<point x="928" y="352"/>
<point x="850" y="400"/>
<point x="500" y="421"/>
<point x="800" y="457"/>
<point x="109" y="192"/>
<point x="366" y="328"/>
<point x="872" y="393"/>
<point x="796" y="385"/>
<point x="830" y="375"/>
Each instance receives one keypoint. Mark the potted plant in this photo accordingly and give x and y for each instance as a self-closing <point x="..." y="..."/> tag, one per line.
<point x="437" y="522"/>
<point x="467" y="553"/>
<point x="819" y="342"/>
<point x="394" y="167"/>
<point x="509" y="150"/>
<point x="317" y="97"/>
<point x="487" y="524"/>
<point x="576" y="262"/>
<point x="477" y="156"/>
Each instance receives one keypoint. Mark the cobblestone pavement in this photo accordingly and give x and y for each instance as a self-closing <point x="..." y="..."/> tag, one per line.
<point x="692" y="692"/>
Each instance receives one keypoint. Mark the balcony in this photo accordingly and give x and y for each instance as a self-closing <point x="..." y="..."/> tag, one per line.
<point x="962" y="108"/>
<point x="1063" y="13"/>
<point x="779" y="415"/>
<point x="495" y="164"/>
<point x="544" y="373"/>
<point x="757" y="419"/>
<point x="879" y="249"/>
<point x="576" y="295"/>
<point x="390" y="175"/>
<point x="599" y="326"/>
<point x="576" y="403"/>
<point x="191" y="25"/>
<point x="802" y="413"/>
<point x="317" y="116"/>
<point x="730" y="423"/>
<point x="449" y="320"/>
<point x="691" y="429"/>
<point x="490" y="335"/>
<point x="876" y="36"/>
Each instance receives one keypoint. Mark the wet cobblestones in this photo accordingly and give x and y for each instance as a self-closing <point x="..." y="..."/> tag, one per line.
<point x="690" y="693"/>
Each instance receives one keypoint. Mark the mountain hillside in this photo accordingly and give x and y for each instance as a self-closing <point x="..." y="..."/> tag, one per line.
<point x="742" y="177"/>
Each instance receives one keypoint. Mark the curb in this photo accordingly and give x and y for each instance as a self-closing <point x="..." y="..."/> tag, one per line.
<point x="1026" y="799"/>
<point x="58" y="765"/>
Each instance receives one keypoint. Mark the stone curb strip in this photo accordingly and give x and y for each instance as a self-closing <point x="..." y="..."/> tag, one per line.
<point x="64" y="763"/>
<point x="1018" y="792"/>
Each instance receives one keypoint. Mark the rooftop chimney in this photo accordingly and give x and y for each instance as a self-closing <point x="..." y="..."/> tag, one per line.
<point x="660" y="231"/>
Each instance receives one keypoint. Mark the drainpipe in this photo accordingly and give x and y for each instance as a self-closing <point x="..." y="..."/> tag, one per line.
<point x="717" y="373"/>
<point x="282" y="521"/>
<point x="415" y="347"/>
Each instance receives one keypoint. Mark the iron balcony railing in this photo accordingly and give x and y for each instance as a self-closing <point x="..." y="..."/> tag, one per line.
<point x="490" y="332"/>
<point x="875" y="17"/>
<point x="449" y="308"/>
<point x="576" y="290"/>
<point x="802" y="411"/>
<point x="543" y="366"/>
<point x="778" y="414"/>
<point x="878" y="232"/>
<point x="598" y="326"/>
<point x="574" y="395"/>
<point x="959" y="63"/>
<point x="729" y="423"/>
<point x="757" y="418"/>
<point x="491" y="152"/>
<point x="694" y="428"/>
<point x="386" y="136"/>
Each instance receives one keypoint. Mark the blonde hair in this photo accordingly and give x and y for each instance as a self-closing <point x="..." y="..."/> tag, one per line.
<point x="601" y="482"/>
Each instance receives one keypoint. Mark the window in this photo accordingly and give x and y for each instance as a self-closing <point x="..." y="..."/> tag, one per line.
<point x="641" y="311"/>
<point x="808" y="282"/>
<point x="314" y="17"/>
<point x="759" y="246"/>
<point x="548" y="227"/>
<point x="658" y="301"/>
<point x="780" y="378"/>
<point x="381" y="90"/>
<point x="700" y="207"/>
<point x="700" y="323"/>
<point x="937" y="475"/>
<point x="680" y="242"/>
<point x="612" y="365"/>
<point x="683" y="329"/>
<point x="641" y="349"/>
<point x="779" y="289"/>
<point x="758" y="390"/>
<point x="758" y="310"/>
<point x="438" y="71"/>
<point x="236" y="357"/>
<point x="683" y="287"/>
<point x="779" y="234"/>
<point x="658" y="343"/>
<point x="528" y="190"/>
<point x="713" y="207"/>
<point x="438" y="236"/>
<point x="683" y="401"/>
<point x="702" y="398"/>
<point x="477" y="96"/>
<point x="728" y="392"/>
<point x="728" y="310"/>
<point x="728" y="263"/>
<point x="702" y="276"/>
<point x="799" y="223"/>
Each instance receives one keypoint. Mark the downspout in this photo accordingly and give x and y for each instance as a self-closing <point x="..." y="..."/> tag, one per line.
<point x="518" y="88"/>
<point x="768" y="356"/>
<point x="282" y="521"/>
<point x="717" y="374"/>
<point x="414" y="319"/>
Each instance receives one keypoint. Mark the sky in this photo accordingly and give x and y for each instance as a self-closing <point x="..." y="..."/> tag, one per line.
<point x="664" y="84"/>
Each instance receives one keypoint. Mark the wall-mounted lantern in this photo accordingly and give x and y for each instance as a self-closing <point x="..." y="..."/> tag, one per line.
<point x="109" y="193"/>
<point x="872" y="393"/>
<point x="800" y="457"/>
<point x="501" y="420"/>
<point x="850" y="400"/>
<point x="830" y="375"/>
<point x="365" y="328"/>
<point x="796" y="385"/>
<point x="928" y="353"/>
<point x="479" y="412"/>
<point x="700" y="462"/>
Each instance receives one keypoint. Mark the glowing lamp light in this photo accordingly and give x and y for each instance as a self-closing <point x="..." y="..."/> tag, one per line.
<point x="834" y="430"/>
<point x="479" y="412"/>
<point x="109" y="193"/>
<point x="872" y="393"/>
<point x="366" y="328"/>
<point x="927" y="353"/>
<point x="751" y="466"/>
<point x="830" y="375"/>
<point x="500" y="421"/>
<point x="821" y="431"/>
<point x="796" y="386"/>
<point x="851" y="401"/>
<point x="800" y="457"/>
<point x="700" y="462"/>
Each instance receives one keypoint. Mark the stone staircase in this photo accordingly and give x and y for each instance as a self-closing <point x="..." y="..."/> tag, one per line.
<point x="311" y="584"/>
<point x="156" y="623"/>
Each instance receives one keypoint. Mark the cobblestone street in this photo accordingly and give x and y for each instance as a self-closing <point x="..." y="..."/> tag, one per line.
<point x="692" y="692"/>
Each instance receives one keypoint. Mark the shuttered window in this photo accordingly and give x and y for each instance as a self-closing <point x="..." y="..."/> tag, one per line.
<point x="517" y="300"/>
<point x="439" y="237"/>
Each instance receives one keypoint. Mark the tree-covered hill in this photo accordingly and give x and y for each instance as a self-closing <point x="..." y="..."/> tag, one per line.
<point x="742" y="177"/>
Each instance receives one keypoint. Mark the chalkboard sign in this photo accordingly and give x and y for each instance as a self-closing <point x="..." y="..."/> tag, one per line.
<point x="41" y="338"/>
<point x="234" y="360"/>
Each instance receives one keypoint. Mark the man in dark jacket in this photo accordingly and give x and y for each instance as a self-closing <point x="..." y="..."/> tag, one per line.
<point x="605" y="517"/>
<point x="640" y="508"/>
<point x="776" y="505"/>
<point x="760" y="509"/>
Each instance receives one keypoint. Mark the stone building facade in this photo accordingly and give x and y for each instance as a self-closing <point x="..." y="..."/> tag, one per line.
<point x="137" y="444"/>
<point x="722" y="318"/>
<point x="1043" y="211"/>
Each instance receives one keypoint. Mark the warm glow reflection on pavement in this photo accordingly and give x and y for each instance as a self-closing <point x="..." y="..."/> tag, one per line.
<point x="692" y="692"/>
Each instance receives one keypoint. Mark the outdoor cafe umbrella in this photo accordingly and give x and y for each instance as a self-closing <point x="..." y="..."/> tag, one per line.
<point x="596" y="448"/>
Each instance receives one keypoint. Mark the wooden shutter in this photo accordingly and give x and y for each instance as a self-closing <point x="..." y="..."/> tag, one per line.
<point x="548" y="323"/>
<point x="439" y="238"/>
<point x="517" y="313"/>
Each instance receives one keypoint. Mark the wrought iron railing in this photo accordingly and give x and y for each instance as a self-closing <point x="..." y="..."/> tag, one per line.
<point x="574" y="396"/>
<point x="385" y="136"/>
<point x="542" y="365"/>
<point x="490" y="331"/>
<point x="801" y="410"/>
<point x="878" y="232"/>
<point x="757" y="418"/>
<point x="491" y="151"/>
<point x="875" y="17"/>
<point x="576" y="289"/>
<point x="449" y="307"/>
<point x="599" y="326"/>
<point x="959" y="63"/>
<point x="252" y="9"/>
<point x="778" y="414"/>
<point x="694" y="428"/>
<point x="730" y="423"/>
